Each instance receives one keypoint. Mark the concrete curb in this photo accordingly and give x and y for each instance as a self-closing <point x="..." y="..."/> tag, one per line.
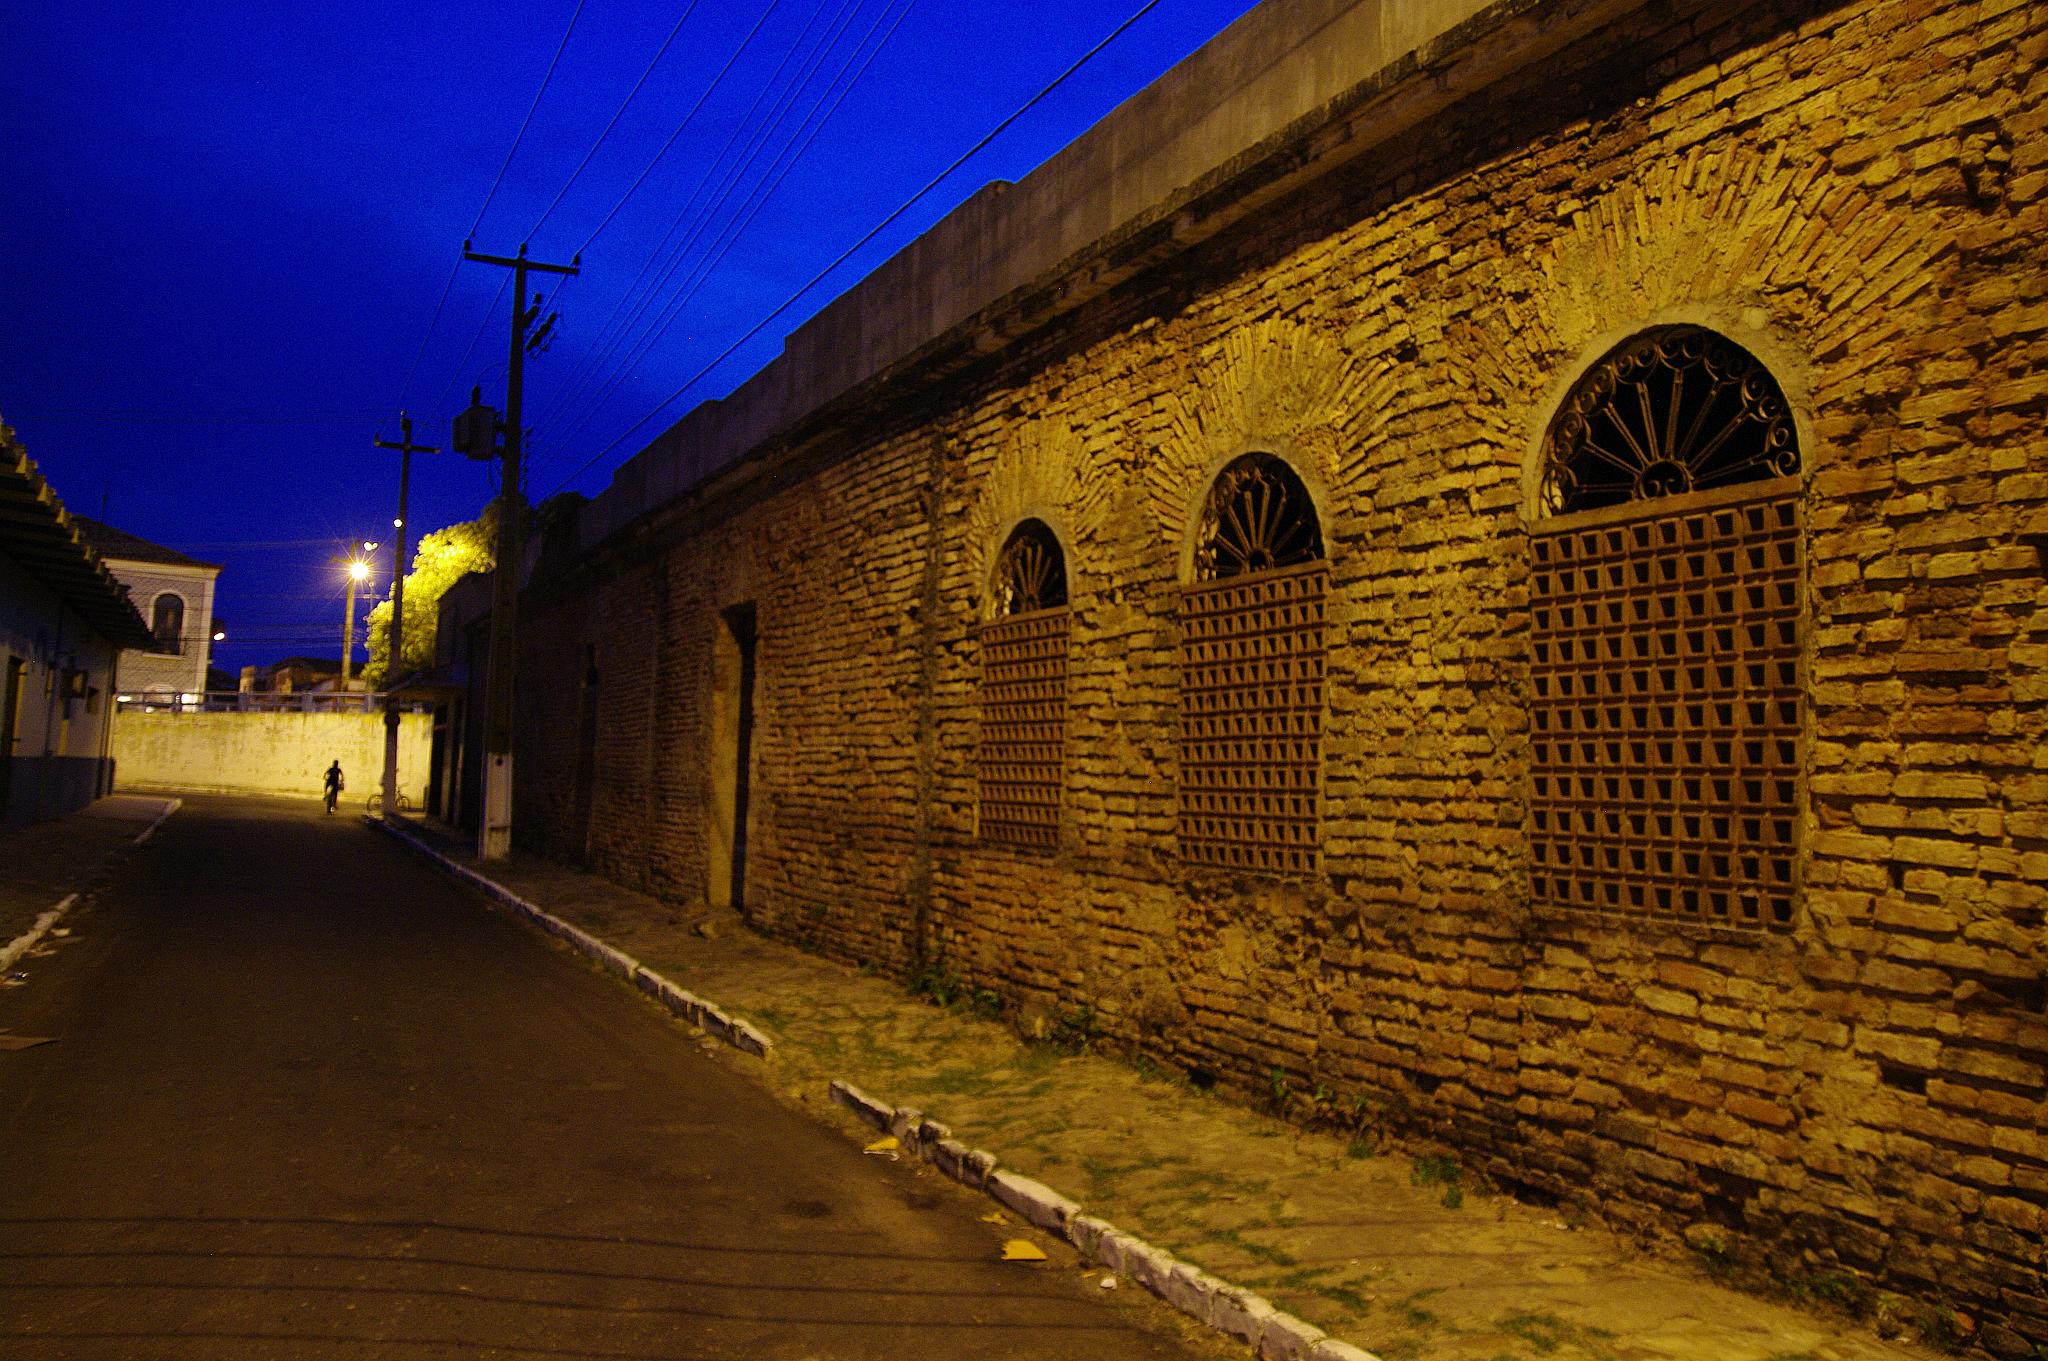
<point x="169" y="808"/>
<point x="677" y="1001"/>
<point x="1229" y="1309"/>
<point x="22" y="943"/>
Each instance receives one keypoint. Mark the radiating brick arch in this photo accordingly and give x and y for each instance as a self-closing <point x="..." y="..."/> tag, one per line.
<point x="1253" y="656"/>
<point x="1021" y="760"/>
<point x="1667" y="601"/>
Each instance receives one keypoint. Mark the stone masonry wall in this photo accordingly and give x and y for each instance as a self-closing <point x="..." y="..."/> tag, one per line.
<point x="1857" y="194"/>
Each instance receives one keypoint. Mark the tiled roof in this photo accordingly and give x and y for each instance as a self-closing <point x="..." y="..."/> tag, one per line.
<point x="122" y="546"/>
<point x="48" y="543"/>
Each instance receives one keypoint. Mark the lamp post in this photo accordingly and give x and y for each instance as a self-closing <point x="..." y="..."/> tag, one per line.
<point x="358" y="573"/>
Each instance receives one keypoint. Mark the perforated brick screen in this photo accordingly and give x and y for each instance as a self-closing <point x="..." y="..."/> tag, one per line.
<point x="1252" y="720"/>
<point x="1666" y="710"/>
<point x="1023" y="727"/>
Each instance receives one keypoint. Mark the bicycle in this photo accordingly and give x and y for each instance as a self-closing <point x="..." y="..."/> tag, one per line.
<point x="375" y="803"/>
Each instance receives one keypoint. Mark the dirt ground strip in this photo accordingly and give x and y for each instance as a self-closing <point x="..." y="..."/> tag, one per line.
<point x="42" y="863"/>
<point x="1396" y="1254"/>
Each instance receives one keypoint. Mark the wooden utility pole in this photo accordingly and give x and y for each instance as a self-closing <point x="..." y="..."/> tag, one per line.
<point x="494" y="839"/>
<point x="396" y="648"/>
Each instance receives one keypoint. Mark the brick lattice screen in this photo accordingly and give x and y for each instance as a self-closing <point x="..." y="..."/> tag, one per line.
<point x="1023" y="727"/>
<point x="1665" y="714"/>
<point x="1252" y="720"/>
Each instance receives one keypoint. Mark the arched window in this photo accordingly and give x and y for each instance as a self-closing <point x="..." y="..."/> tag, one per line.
<point x="168" y="623"/>
<point x="1252" y="663"/>
<point x="1022" y="756"/>
<point x="1666" y="605"/>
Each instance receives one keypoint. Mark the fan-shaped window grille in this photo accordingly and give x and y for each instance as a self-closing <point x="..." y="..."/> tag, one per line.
<point x="1674" y="411"/>
<point x="1022" y="757"/>
<point x="1666" y="603"/>
<point x="167" y="622"/>
<point x="1252" y="675"/>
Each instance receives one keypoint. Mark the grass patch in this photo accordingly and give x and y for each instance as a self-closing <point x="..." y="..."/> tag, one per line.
<point x="1258" y="1252"/>
<point x="1305" y="1281"/>
<point x="1546" y="1332"/>
<point x="1440" y="1171"/>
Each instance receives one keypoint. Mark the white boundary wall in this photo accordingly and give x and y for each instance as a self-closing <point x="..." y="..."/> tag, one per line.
<point x="258" y="753"/>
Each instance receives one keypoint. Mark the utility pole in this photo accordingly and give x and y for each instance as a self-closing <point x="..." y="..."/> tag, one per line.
<point x="494" y="839"/>
<point x="396" y="649"/>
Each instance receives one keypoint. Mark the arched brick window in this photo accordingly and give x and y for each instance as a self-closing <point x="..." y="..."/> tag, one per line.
<point x="1252" y="663"/>
<point x="167" y="622"/>
<point x="1665" y="597"/>
<point x="1022" y="758"/>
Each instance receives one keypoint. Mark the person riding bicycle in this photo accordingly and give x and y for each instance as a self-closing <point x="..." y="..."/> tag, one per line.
<point x="334" y="784"/>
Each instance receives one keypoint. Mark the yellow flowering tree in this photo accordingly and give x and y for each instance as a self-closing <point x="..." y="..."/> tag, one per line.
<point x="442" y="558"/>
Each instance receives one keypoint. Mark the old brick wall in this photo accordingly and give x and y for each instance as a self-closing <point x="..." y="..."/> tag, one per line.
<point x="1855" y="194"/>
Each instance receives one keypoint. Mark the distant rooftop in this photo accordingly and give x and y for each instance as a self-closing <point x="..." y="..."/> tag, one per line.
<point x="119" y="545"/>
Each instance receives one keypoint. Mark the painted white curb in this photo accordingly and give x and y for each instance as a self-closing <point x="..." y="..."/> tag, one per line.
<point x="169" y="808"/>
<point x="678" y="1001"/>
<point x="21" y="944"/>
<point x="1231" y="1309"/>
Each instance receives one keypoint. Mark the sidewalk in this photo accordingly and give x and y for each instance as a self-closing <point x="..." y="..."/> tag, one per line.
<point x="1392" y="1255"/>
<point x="46" y="862"/>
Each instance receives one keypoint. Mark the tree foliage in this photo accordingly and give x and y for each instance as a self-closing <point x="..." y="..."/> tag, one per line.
<point x="442" y="558"/>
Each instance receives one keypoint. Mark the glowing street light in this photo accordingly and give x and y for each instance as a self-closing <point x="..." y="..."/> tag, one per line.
<point x="358" y="573"/>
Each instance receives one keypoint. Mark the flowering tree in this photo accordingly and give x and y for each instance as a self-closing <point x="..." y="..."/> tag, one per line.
<point x="443" y="558"/>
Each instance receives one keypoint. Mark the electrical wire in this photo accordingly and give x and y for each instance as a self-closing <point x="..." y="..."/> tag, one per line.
<point x="617" y="113"/>
<point x="580" y="374"/>
<point x="727" y="177"/>
<point x="764" y="189"/>
<point x="432" y="322"/>
<point x="634" y="187"/>
<point x="528" y="120"/>
<point x="870" y="235"/>
<point x="406" y="387"/>
<point x="441" y="403"/>
<point x="196" y="418"/>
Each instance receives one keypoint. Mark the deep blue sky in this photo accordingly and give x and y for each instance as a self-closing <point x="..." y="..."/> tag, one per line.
<point x="228" y="226"/>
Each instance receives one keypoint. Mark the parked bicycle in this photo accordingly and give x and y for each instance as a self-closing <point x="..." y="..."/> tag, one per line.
<point x="375" y="803"/>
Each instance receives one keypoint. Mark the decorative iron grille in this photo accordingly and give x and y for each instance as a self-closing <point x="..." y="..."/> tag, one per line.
<point x="1665" y="720"/>
<point x="1032" y="572"/>
<point x="1251" y="720"/>
<point x="1675" y="410"/>
<point x="1258" y="517"/>
<point x="1023" y="727"/>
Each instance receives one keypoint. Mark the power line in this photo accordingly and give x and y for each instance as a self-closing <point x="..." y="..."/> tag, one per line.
<point x="633" y="188"/>
<point x="525" y="122"/>
<point x="455" y="375"/>
<point x="688" y="10"/>
<point x="581" y="373"/>
<point x="725" y="177"/>
<point x="764" y="189"/>
<point x="870" y="235"/>
<point x="432" y="322"/>
<point x="196" y="417"/>
<point x="405" y="388"/>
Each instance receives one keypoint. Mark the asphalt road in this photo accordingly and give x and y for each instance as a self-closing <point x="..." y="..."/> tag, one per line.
<point x="307" y="1098"/>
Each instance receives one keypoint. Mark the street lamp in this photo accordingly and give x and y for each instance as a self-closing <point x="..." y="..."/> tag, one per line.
<point x="358" y="573"/>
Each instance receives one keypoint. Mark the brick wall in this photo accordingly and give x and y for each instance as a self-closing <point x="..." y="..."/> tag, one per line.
<point x="1857" y="194"/>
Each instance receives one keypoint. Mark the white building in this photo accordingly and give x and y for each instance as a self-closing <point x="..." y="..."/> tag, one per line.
<point x="174" y="594"/>
<point x="63" y="617"/>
